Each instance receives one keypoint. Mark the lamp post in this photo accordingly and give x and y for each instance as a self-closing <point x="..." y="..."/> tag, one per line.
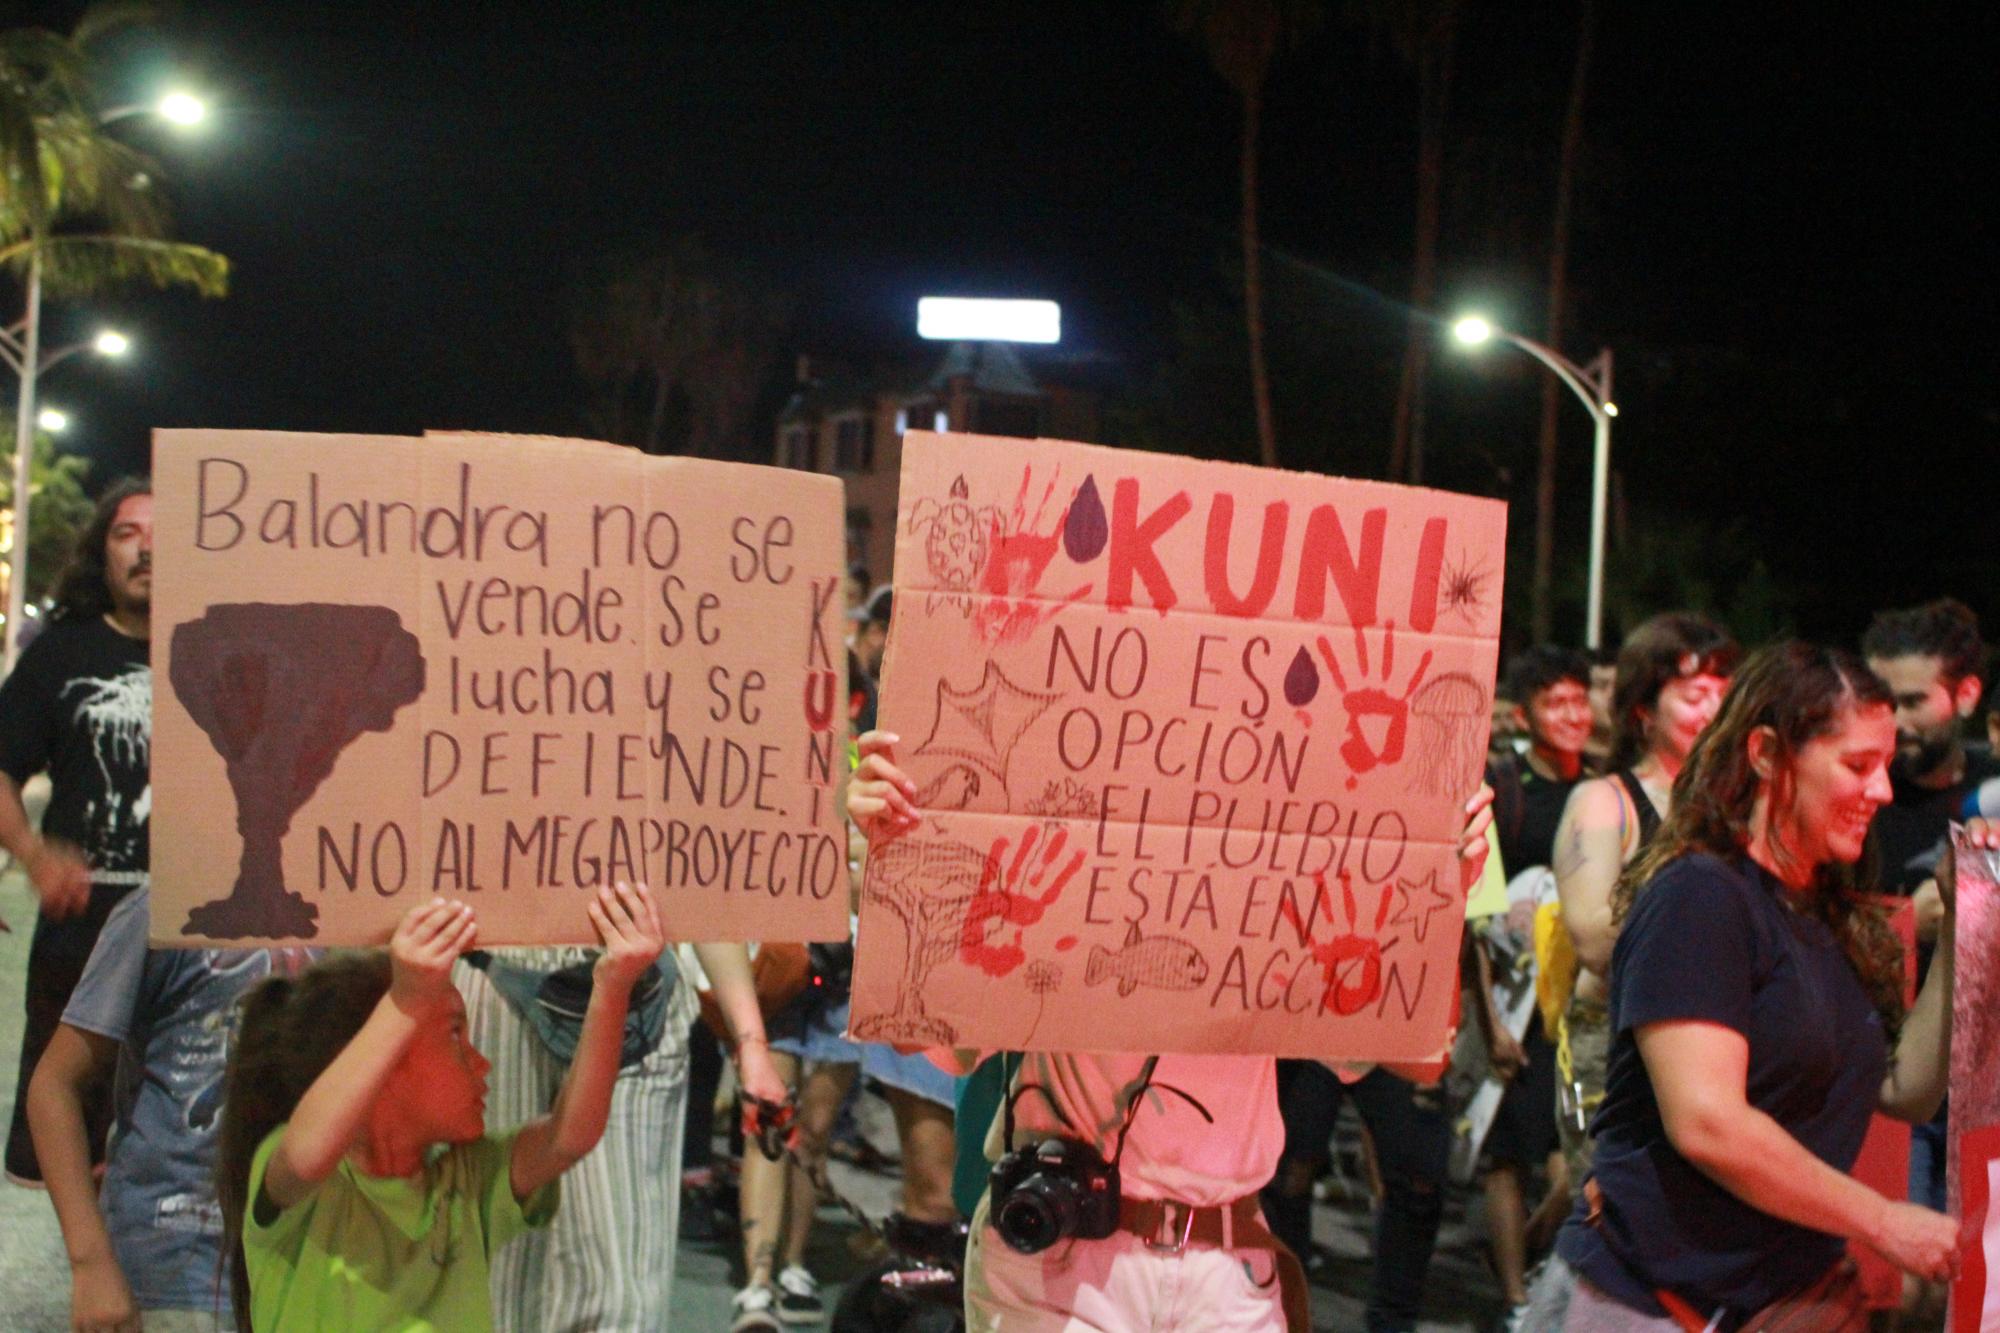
<point x="23" y="353"/>
<point x="176" y="108"/>
<point x="1592" y="386"/>
<point x="20" y="348"/>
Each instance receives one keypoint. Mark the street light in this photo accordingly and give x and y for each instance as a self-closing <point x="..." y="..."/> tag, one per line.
<point x="182" y="108"/>
<point x="52" y="420"/>
<point x="22" y="346"/>
<point x="178" y="107"/>
<point x="1592" y="386"/>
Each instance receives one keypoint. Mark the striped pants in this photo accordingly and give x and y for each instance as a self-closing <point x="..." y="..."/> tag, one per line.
<point x="607" y="1262"/>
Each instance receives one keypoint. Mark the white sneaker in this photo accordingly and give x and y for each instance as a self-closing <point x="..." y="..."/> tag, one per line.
<point x="798" y="1297"/>
<point x="756" y="1309"/>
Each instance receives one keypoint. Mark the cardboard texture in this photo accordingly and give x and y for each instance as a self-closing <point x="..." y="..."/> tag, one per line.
<point x="1191" y="741"/>
<point x="1973" y="1137"/>
<point x="502" y="668"/>
<point x="1975" y="1295"/>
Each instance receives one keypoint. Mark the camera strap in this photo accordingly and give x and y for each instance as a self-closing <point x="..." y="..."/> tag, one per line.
<point x="1131" y="1107"/>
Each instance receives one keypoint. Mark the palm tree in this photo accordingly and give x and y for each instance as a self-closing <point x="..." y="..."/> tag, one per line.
<point x="677" y="344"/>
<point x="80" y="212"/>
<point x="1542" y="612"/>
<point x="1242" y="38"/>
<point x="60" y="505"/>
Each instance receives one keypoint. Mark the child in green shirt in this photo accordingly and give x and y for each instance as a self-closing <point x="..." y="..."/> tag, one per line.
<point x="358" y="1187"/>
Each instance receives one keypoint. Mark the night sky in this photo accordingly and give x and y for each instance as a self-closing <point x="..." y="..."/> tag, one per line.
<point x="1779" y="231"/>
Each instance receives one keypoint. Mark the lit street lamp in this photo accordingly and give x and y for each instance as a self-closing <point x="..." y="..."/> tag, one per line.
<point x="178" y="107"/>
<point x="22" y="347"/>
<point x="17" y="345"/>
<point x="1592" y="386"/>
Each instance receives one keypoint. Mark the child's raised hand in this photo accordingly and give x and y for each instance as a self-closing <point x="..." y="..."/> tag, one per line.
<point x="422" y="949"/>
<point x="881" y="799"/>
<point x="628" y="925"/>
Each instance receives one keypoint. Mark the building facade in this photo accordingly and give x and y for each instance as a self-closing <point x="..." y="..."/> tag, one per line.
<point x="852" y="427"/>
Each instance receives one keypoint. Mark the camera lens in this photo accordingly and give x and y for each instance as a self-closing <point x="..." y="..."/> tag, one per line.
<point x="1040" y="1211"/>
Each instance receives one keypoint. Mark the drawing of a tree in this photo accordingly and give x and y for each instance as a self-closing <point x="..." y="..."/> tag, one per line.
<point x="281" y="691"/>
<point x="928" y="885"/>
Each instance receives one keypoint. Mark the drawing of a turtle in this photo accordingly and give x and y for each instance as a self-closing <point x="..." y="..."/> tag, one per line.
<point x="957" y="537"/>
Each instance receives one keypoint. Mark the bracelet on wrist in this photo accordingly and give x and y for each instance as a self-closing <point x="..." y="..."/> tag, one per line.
<point x="754" y="1039"/>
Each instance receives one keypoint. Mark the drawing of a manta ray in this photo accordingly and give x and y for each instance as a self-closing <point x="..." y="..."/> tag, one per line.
<point x="983" y="724"/>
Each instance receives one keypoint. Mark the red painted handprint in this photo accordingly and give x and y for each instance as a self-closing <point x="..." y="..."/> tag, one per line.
<point x="1014" y="893"/>
<point x="1351" y="964"/>
<point x="1022" y="547"/>
<point x="1357" y="750"/>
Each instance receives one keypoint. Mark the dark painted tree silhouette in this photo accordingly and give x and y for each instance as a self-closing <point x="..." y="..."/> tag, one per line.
<point x="281" y="692"/>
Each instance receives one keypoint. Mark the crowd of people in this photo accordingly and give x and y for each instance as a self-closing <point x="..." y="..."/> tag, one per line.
<point x="1684" y="1021"/>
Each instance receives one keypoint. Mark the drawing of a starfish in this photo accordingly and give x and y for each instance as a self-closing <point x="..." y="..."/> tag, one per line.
<point x="1422" y="899"/>
<point x="982" y="725"/>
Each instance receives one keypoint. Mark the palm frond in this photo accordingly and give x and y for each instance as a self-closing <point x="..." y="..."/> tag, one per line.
<point x="84" y="265"/>
<point x="114" y="16"/>
<point x="90" y="174"/>
<point x="89" y="207"/>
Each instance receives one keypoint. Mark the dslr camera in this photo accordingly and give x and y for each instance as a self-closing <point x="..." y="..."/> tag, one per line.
<point x="1057" y="1189"/>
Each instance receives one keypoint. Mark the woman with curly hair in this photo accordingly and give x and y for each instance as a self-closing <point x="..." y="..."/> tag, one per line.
<point x="1757" y="1025"/>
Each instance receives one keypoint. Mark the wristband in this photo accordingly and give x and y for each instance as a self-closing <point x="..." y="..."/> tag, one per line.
<point x="755" y="1038"/>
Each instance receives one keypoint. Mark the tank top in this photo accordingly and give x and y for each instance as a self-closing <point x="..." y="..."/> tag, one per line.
<point x="1649" y="814"/>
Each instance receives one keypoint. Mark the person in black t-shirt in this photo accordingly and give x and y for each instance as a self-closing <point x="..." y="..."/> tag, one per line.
<point x="1550" y="687"/>
<point x="1929" y="657"/>
<point x="79" y="705"/>
<point x="1752" y="998"/>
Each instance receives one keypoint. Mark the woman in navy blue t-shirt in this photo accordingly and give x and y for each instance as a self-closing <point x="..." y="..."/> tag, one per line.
<point x="1754" y="1004"/>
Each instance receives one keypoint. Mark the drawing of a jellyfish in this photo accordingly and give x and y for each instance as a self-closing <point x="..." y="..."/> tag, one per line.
<point x="1450" y="715"/>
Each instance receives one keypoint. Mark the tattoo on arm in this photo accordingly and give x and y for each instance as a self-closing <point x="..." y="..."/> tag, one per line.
<point x="1570" y="856"/>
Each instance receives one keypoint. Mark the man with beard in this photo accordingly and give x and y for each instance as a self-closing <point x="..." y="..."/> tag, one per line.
<point x="1929" y="657"/>
<point x="79" y="705"/>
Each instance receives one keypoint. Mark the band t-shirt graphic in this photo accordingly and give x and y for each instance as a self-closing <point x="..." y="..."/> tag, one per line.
<point x="80" y="704"/>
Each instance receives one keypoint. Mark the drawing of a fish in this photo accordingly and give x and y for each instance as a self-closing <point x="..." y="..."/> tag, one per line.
<point x="1162" y="962"/>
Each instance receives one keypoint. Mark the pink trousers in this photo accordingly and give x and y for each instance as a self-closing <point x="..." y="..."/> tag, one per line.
<point x="1117" y="1285"/>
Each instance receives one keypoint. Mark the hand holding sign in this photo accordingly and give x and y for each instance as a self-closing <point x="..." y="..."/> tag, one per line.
<point x="1154" y="704"/>
<point x="628" y="926"/>
<point x="880" y="796"/>
<point x="427" y="941"/>
<point x="497" y="669"/>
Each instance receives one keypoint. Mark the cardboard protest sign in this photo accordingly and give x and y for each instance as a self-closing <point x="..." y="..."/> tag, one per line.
<point x="507" y="669"/>
<point x="1192" y="741"/>
<point x="1973" y="1138"/>
<point x="1975" y="1294"/>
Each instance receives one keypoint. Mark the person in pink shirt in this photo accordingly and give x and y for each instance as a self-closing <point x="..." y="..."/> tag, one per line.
<point x="1195" y="1137"/>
